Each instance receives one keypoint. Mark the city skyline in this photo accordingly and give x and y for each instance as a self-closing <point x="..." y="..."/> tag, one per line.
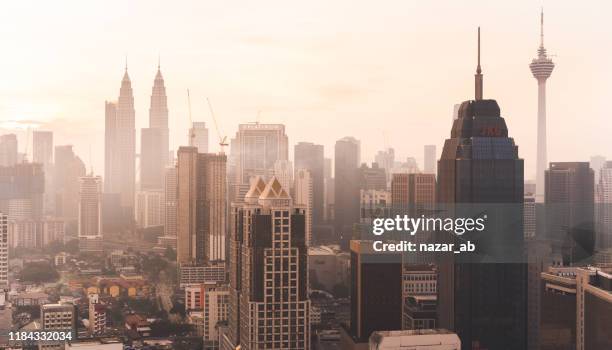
<point x="386" y="82"/>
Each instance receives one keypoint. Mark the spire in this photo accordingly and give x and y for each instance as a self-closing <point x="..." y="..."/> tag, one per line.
<point x="158" y="62"/>
<point x="478" y="75"/>
<point x="542" y="27"/>
<point x="125" y="74"/>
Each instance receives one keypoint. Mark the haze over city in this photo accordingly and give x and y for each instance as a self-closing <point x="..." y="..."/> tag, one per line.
<point x="387" y="74"/>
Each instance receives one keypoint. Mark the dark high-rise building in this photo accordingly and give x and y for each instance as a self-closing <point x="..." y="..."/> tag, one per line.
<point x="570" y="210"/>
<point x="576" y="308"/>
<point x="376" y="291"/>
<point x="485" y="303"/>
<point x="310" y="156"/>
<point x="151" y="163"/>
<point x="347" y="154"/>
<point x="269" y="304"/>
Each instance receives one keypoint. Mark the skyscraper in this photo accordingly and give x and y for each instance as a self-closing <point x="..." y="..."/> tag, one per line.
<point x="42" y="142"/>
<point x="429" y="163"/>
<point x="158" y="116"/>
<point x="269" y="303"/>
<point x="21" y="197"/>
<point x="68" y="169"/>
<point x="541" y="68"/>
<point x="8" y="150"/>
<point x="376" y="292"/>
<point x="603" y="208"/>
<point x="4" y="246"/>
<point x="90" y="213"/>
<point x="198" y="136"/>
<point x="485" y="303"/>
<point x="303" y="190"/>
<point x="310" y="156"/>
<point x="570" y="210"/>
<point x="151" y="162"/>
<point x="386" y="160"/>
<point x="347" y="155"/>
<point x="120" y="147"/>
<point x="283" y="171"/>
<point x="260" y="146"/>
<point x="201" y="212"/>
<point x="417" y="191"/>
<point x="170" y="202"/>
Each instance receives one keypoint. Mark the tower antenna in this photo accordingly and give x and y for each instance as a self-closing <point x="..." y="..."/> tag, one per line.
<point x="478" y="75"/>
<point x="542" y="27"/>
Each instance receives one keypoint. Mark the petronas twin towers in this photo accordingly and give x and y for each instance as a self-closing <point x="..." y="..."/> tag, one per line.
<point x="120" y="143"/>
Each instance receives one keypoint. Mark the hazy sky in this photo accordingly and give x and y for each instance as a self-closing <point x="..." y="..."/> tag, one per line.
<point x="386" y="72"/>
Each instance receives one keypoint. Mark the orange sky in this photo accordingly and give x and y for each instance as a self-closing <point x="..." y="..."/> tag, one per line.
<point x="325" y="69"/>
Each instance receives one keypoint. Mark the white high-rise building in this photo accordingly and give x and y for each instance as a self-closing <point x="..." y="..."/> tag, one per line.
<point x="541" y="68"/>
<point x="283" y="170"/>
<point x="90" y="213"/>
<point x="304" y="197"/>
<point x="149" y="208"/>
<point x="198" y="136"/>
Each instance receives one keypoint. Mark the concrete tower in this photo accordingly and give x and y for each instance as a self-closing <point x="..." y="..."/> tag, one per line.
<point x="541" y="68"/>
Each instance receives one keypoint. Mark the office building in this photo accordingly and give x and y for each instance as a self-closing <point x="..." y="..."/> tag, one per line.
<point x="603" y="208"/>
<point x="21" y="191"/>
<point x="376" y="293"/>
<point x="4" y="253"/>
<point x="304" y="196"/>
<point x="413" y="191"/>
<point x="69" y="168"/>
<point x="597" y="163"/>
<point x="151" y="161"/>
<point x="347" y="155"/>
<point x="372" y="178"/>
<point x="422" y="339"/>
<point x="42" y="147"/>
<point x="430" y="159"/>
<point x="487" y="173"/>
<point x="150" y="209"/>
<point x="258" y="148"/>
<point x="570" y="210"/>
<point x="386" y="160"/>
<point x="576" y="308"/>
<point x="283" y="171"/>
<point x="8" y="150"/>
<point x="90" y="213"/>
<point x="58" y="317"/>
<point x="170" y="184"/>
<point x="374" y="204"/>
<point x="269" y="304"/>
<point x="198" y="136"/>
<point x="201" y="211"/>
<point x="310" y="156"/>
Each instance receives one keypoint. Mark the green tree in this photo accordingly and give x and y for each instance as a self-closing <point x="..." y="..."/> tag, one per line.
<point x="39" y="272"/>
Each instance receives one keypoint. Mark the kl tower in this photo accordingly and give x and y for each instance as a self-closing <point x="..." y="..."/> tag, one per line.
<point x="541" y="68"/>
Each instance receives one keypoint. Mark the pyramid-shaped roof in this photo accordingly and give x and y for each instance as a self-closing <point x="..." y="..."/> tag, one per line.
<point x="274" y="190"/>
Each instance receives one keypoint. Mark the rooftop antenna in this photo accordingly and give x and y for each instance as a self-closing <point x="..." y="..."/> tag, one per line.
<point x="478" y="75"/>
<point x="542" y="27"/>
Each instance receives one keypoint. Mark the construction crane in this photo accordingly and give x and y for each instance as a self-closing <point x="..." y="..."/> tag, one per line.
<point x="222" y="139"/>
<point x="191" y="131"/>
